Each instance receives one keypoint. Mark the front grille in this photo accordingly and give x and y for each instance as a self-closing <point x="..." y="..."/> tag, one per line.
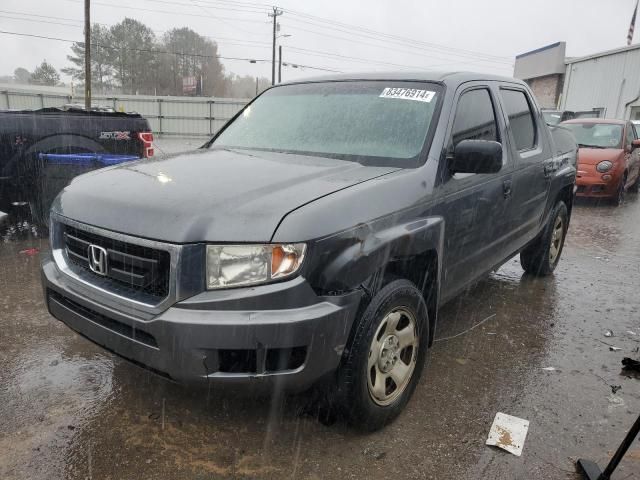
<point x="130" y="268"/>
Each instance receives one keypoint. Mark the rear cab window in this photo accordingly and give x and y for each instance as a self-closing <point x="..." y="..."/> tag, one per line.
<point x="521" y="118"/>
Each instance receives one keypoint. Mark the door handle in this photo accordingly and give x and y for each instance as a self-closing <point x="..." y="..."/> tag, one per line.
<point x="506" y="188"/>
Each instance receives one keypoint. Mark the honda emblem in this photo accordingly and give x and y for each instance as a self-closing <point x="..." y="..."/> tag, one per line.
<point x="98" y="260"/>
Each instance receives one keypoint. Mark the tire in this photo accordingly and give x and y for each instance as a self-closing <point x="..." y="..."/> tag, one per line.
<point x="368" y="397"/>
<point x="636" y="185"/>
<point x="618" y="199"/>
<point x="541" y="257"/>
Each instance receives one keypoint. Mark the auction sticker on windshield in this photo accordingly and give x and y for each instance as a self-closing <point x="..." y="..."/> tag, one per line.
<point x="408" y="94"/>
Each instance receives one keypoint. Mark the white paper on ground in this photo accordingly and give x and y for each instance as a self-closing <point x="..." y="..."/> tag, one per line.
<point x="508" y="433"/>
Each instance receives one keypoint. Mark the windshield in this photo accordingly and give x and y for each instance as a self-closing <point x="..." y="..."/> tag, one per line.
<point x="597" y="135"/>
<point x="552" y="118"/>
<point x="352" y="120"/>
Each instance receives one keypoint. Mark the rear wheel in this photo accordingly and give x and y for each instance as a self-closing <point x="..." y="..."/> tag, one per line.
<point x="542" y="256"/>
<point x="385" y="358"/>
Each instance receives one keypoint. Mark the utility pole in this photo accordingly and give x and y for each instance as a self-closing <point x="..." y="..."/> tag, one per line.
<point x="276" y="13"/>
<point x="279" y="63"/>
<point x="87" y="55"/>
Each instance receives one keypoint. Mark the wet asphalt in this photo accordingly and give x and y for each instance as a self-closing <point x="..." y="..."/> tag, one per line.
<point x="68" y="409"/>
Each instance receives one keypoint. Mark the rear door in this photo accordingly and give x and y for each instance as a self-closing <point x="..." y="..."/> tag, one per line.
<point x="474" y="205"/>
<point x="533" y="164"/>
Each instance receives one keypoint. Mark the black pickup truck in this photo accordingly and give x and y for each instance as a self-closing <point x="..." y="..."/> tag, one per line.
<point x="314" y="238"/>
<point x="42" y="150"/>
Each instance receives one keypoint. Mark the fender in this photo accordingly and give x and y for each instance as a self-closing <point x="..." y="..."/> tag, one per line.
<point x="367" y="250"/>
<point x="360" y="257"/>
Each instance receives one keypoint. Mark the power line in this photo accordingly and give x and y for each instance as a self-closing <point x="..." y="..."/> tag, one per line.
<point x="167" y="12"/>
<point x="474" y="61"/>
<point x="248" y="43"/>
<point x="167" y="52"/>
<point x="351" y="28"/>
<point x="206" y="5"/>
<point x="414" y="46"/>
<point x="341" y="26"/>
<point x="34" y="20"/>
<point x="157" y="31"/>
<point x="206" y="10"/>
<point x="394" y="49"/>
<point x="336" y="26"/>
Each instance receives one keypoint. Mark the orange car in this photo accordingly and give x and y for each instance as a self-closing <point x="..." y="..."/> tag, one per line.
<point x="608" y="158"/>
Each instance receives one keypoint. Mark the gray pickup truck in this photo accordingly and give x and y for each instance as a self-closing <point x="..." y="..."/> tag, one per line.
<point x="313" y="239"/>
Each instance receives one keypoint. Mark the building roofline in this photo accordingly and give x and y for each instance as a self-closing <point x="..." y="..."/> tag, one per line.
<point x="537" y="50"/>
<point x="601" y="54"/>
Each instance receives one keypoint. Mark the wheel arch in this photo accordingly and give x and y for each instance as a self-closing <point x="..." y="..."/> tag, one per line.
<point x="566" y="195"/>
<point x="48" y="143"/>
<point x="372" y="257"/>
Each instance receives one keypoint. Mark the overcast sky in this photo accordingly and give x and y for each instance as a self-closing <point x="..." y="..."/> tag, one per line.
<point x="454" y="34"/>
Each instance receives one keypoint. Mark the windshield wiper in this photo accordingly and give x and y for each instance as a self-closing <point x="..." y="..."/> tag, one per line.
<point x="583" y="145"/>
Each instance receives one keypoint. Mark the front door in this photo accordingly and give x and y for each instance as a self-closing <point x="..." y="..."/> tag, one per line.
<point x="474" y="205"/>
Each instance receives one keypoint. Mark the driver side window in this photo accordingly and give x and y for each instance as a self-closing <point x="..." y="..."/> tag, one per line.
<point x="475" y="118"/>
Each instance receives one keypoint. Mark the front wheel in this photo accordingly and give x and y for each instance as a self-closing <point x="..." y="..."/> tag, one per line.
<point x="542" y="256"/>
<point x="636" y="185"/>
<point x="385" y="358"/>
<point x="618" y="199"/>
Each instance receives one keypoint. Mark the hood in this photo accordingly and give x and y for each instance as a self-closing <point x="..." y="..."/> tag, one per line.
<point x="593" y="156"/>
<point x="207" y="195"/>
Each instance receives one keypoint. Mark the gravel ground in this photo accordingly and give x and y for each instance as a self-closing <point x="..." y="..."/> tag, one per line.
<point x="71" y="410"/>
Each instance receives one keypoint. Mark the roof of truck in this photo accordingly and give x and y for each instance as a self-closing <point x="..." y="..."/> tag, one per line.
<point x="447" y="77"/>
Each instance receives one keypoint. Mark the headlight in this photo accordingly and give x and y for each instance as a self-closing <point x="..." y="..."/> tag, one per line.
<point x="242" y="265"/>
<point x="604" y="166"/>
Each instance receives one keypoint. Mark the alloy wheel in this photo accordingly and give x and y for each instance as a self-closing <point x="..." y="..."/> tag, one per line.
<point x="392" y="356"/>
<point x="556" y="240"/>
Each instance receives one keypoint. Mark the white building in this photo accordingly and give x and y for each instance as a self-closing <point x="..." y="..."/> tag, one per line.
<point x="607" y="83"/>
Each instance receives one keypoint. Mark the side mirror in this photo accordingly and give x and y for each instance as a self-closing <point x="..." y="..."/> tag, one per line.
<point x="635" y="144"/>
<point x="476" y="156"/>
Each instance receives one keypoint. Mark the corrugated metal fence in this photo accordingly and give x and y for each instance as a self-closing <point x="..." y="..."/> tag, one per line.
<point x="184" y="116"/>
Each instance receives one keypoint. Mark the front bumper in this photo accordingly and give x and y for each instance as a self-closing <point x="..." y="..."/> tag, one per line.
<point x="591" y="184"/>
<point x="274" y="336"/>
